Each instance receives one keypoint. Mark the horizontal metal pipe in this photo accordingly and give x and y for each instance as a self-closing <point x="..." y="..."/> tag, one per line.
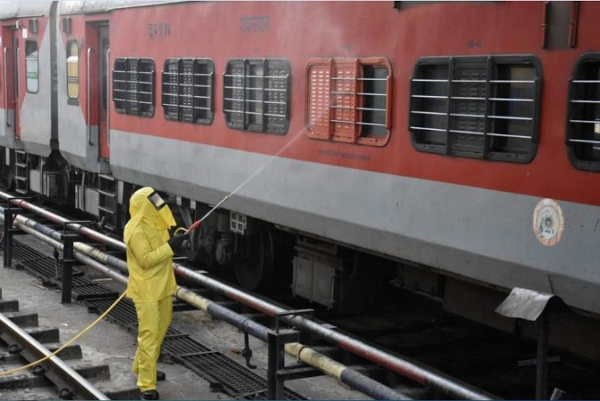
<point x="436" y="381"/>
<point x="94" y="264"/>
<point x="343" y="373"/>
<point x="59" y="371"/>
<point x="45" y="234"/>
<point x="82" y="257"/>
<point x="220" y="312"/>
<point x="78" y="228"/>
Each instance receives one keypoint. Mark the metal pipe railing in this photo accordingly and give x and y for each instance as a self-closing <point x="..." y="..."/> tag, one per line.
<point x="437" y="381"/>
<point x="92" y="257"/>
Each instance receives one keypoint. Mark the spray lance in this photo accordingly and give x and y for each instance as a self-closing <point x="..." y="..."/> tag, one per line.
<point x="197" y="223"/>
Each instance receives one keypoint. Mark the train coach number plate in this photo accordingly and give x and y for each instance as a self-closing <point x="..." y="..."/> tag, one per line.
<point x="548" y="222"/>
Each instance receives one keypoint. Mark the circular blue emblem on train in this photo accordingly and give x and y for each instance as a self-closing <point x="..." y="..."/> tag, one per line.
<point x="548" y="222"/>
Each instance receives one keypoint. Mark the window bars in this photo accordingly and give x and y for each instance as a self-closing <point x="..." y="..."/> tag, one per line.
<point x="256" y="95"/>
<point x="349" y="100"/>
<point x="583" y="120"/>
<point x="187" y="90"/>
<point x="133" y="86"/>
<point x="483" y="106"/>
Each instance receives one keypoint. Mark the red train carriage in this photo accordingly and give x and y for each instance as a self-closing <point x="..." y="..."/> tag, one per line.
<point x="364" y="136"/>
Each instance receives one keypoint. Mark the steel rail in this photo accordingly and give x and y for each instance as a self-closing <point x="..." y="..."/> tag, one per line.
<point x="83" y="253"/>
<point x="56" y="370"/>
<point x="435" y="380"/>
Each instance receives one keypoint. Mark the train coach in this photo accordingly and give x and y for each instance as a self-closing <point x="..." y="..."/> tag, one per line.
<point x="28" y="135"/>
<point x="454" y="145"/>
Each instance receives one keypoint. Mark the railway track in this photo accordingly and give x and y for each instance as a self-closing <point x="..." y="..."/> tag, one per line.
<point x="428" y="335"/>
<point x="66" y="376"/>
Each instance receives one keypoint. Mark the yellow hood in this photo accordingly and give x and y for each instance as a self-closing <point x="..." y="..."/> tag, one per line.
<point x="141" y="209"/>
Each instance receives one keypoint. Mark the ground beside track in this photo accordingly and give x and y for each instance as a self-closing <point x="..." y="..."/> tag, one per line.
<point x="106" y="343"/>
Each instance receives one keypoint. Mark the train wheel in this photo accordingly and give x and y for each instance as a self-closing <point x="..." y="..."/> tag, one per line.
<point x="255" y="268"/>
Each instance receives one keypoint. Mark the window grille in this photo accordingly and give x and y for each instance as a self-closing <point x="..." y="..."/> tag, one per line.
<point x="482" y="107"/>
<point x="256" y="95"/>
<point x="32" y="66"/>
<point x="133" y="86"/>
<point x="187" y="90"/>
<point x="349" y="100"/>
<point x="583" y="127"/>
<point x="72" y="69"/>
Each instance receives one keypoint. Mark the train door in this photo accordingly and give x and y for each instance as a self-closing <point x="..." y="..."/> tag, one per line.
<point x="16" y="56"/>
<point x="103" y="85"/>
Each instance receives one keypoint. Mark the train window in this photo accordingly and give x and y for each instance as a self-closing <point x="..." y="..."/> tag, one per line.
<point x="583" y="127"/>
<point x="73" y="70"/>
<point x="349" y="100"/>
<point x="32" y="66"/>
<point x="476" y="106"/>
<point x="187" y="90"/>
<point x="133" y="86"/>
<point x="256" y="95"/>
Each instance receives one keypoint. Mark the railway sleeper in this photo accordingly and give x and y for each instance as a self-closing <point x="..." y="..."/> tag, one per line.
<point x="23" y="319"/>
<point x="44" y="334"/>
<point x="9" y="306"/>
<point x="71" y="352"/>
<point x="21" y="381"/>
<point x="33" y="379"/>
<point x="40" y="393"/>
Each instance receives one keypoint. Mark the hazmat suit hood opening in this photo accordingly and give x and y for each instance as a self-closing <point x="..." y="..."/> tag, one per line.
<point x="155" y="213"/>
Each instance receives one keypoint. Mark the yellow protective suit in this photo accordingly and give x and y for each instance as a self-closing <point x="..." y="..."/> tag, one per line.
<point x="151" y="279"/>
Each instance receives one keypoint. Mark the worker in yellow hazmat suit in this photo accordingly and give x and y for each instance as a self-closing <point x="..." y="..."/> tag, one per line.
<point x="151" y="280"/>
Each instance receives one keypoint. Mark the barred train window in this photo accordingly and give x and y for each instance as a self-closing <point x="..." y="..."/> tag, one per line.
<point x="256" y="95"/>
<point x="133" y="86"/>
<point x="349" y="100"/>
<point x="583" y="127"/>
<point x="476" y="106"/>
<point x="73" y="69"/>
<point x="32" y="66"/>
<point x="187" y="90"/>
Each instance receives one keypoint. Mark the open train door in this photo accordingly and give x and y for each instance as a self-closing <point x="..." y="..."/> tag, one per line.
<point x="108" y="207"/>
<point x="103" y="92"/>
